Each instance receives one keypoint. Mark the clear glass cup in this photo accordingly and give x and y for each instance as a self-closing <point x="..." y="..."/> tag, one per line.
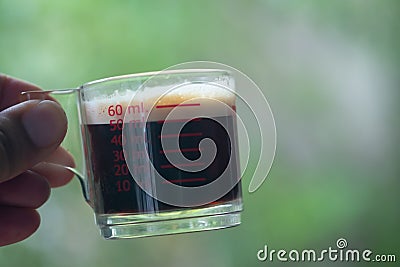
<point x="160" y="152"/>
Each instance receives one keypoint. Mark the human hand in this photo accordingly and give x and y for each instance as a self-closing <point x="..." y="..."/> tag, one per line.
<point x="30" y="137"/>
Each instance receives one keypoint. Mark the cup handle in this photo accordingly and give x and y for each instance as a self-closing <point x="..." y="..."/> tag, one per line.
<point x="67" y="98"/>
<point x="81" y="179"/>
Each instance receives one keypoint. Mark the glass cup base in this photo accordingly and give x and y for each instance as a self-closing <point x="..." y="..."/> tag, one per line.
<point x="123" y="226"/>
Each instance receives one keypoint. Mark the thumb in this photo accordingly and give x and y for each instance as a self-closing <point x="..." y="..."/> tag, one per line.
<point x="29" y="132"/>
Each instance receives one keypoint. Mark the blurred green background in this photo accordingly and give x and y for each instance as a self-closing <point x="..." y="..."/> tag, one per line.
<point x="330" y="70"/>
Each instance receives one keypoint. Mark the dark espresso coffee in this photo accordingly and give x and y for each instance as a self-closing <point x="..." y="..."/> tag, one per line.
<point x="118" y="190"/>
<point x="115" y="189"/>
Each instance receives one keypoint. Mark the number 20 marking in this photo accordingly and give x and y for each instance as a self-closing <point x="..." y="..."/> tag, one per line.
<point x="121" y="169"/>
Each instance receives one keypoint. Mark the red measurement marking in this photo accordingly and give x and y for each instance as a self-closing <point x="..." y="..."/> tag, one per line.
<point x="180" y="135"/>
<point x="234" y="107"/>
<point x="187" y="180"/>
<point x="168" y="166"/>
<point x="216" y="202"/>
<point x="195" y="149"/>
<point x="182" y="120"/>
<point x="178" y="105"/>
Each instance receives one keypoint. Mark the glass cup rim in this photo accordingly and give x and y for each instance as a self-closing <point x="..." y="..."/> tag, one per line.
<point x="147" y="75"/>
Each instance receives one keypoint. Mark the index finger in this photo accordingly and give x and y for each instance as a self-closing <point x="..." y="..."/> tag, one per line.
<point x="11" y="89"/>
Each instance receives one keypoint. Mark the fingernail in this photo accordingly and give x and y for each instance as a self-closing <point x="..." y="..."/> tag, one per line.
<point x="46" y="123"/>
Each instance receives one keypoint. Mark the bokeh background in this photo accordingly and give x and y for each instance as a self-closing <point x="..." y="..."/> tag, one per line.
<point x="330" y="70"/>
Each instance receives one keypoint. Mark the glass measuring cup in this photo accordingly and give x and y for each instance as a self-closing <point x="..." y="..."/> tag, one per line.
<point x="160" y="151"/>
